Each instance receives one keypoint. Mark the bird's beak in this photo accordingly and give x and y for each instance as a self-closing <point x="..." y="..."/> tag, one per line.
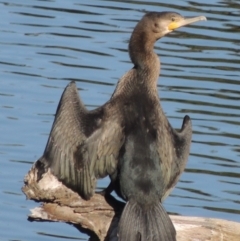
<point x="185" y="21"/>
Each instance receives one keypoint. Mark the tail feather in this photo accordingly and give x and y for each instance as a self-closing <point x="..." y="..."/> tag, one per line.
<point x="139" y="223"/>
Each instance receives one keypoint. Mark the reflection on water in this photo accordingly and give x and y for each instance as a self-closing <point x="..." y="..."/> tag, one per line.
<point x="45" y="44"/>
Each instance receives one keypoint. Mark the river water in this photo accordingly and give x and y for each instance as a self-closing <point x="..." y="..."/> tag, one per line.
<point x="45" y="44"/>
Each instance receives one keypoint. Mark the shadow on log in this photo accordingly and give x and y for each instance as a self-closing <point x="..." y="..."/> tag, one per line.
<point x="99" y="216"/>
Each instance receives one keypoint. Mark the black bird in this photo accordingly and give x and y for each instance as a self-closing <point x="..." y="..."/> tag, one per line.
<point x="128" y="138"/>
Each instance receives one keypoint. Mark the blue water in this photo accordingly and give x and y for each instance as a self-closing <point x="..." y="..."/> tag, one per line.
<point x="46" y="44"/>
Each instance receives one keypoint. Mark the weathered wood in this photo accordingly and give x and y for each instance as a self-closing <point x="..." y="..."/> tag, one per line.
<point x="101" y="216"/>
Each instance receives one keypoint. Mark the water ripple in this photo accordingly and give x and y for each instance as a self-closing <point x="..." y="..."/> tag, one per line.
<point x="46" y="44"/>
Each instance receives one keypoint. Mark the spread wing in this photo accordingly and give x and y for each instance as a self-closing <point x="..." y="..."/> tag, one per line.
<point x="83" y="145"/>
<point x="173" y="152"/>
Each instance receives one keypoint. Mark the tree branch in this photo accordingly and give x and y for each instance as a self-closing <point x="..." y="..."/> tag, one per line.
<point x="101" y="215"/>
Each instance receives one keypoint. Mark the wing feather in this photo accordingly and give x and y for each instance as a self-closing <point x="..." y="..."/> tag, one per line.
<point x="81" y="147"/>
<point x="178" y="148"/>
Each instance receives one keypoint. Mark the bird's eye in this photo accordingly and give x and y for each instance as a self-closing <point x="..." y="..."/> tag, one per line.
<point x="173" y="19"/>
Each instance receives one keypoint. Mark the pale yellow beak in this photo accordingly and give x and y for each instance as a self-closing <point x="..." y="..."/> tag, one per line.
<point x="185" y="21"/>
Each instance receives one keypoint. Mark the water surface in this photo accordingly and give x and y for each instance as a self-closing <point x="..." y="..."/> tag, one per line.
<point x="46" y="44"/>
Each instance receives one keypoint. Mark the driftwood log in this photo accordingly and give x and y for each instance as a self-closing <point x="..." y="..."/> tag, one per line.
<point x="99" y="216"/>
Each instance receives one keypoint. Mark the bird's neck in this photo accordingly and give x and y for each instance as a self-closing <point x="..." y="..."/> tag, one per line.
<point x="145" y="60"/>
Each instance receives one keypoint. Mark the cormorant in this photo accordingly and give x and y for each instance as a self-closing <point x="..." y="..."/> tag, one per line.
<point x="129" y="138"/>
